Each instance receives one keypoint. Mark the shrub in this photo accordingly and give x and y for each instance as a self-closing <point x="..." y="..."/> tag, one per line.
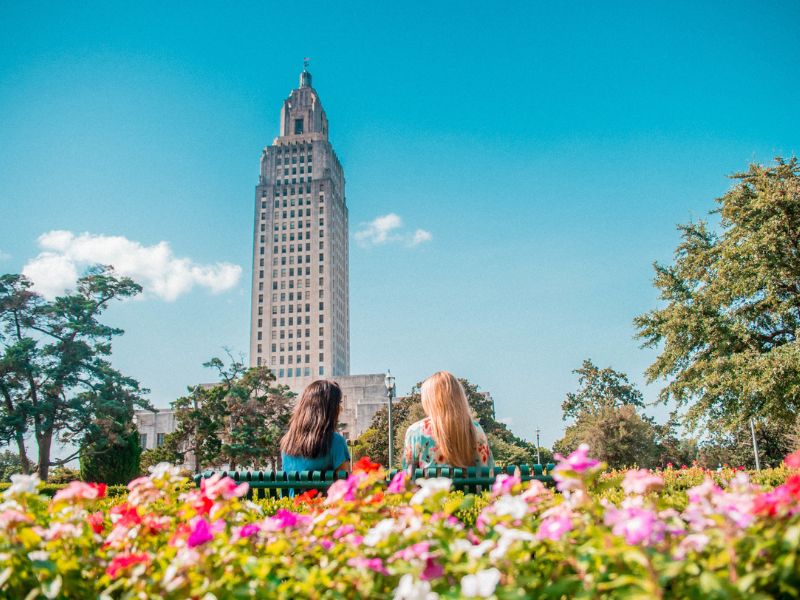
<point x="604" y="535"/>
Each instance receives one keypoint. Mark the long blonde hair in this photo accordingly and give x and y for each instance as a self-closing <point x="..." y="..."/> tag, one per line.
<point x="445" y="402"/>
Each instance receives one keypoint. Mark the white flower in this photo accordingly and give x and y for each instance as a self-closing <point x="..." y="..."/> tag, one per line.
<point x="410" y="589"/>
<point x="38" y="555"/>
<point x="380" y="532"/>
<point x="480" y="585"/>
<point x="429" y="487"/>
<point x="515" y="506"/>
<point x="164" y="468"/>
<point x="22" y="484"/>
<point x="470" y="549"/>
<point x="508" y="537"/>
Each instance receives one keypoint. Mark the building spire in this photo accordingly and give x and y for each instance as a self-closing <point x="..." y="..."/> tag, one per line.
<point x="305" y="76"/>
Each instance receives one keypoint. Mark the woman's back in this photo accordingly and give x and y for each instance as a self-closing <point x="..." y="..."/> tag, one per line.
<point x="422" y="451"/>
<point x="328" y="461"/>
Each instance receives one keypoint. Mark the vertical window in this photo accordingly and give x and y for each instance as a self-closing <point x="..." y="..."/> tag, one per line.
<point x="298" y="127"/>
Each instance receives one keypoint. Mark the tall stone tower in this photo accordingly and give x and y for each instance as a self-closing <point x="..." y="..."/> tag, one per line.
<point x="300" y="318"/>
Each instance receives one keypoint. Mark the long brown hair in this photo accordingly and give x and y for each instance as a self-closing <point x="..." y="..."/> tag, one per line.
<point x="445" y="402"/>
<point x="313" y="420"/>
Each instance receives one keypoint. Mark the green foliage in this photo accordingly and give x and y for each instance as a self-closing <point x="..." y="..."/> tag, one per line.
<point x="55" y="373"/>
<point x="733" y="445"/>
<point x="10" y="463"/>
<point x="63" y="475"/>
<point x="238" y="421"/>
<point x="112" y="461"/>
<point x="605" y="416"/>
<point x="727" y="331"/>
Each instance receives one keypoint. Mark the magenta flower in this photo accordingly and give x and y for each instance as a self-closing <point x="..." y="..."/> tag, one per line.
<point x="398" y="483"/>
<point x="578" y="460"/>
<point x="503" y="484"/>
<point x="326" y="544"/>
<point x="342" y="489"/>
<point x="284" y="519"/>
<point x="248" y="530"/>
<point x="200" y="534"/>
<point x="218" y="486"/>
<point x="432" y="570"/>
<point x="419" y="550"/>
<point x="373" y="564"/>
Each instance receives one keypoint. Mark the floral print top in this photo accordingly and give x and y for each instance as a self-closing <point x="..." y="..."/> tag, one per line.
<point x="421" y="451"/>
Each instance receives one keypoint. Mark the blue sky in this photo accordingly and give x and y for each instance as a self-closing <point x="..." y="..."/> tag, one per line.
<point x="549" y="148"/>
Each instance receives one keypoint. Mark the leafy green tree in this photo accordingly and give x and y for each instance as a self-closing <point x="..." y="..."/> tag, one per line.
<point x="604" y="410"/>
<point x="10" y="464"/>
<point x="54" y="355"/>
<point x="727" y="330"/>
<point x="239" y="420"/>
<point x="617" y="435"/>
<point x="733" y="446"/>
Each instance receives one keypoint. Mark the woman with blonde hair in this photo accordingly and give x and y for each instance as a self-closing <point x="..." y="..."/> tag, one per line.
<point x="312" y="442"/>
<point x="447" y="436"/>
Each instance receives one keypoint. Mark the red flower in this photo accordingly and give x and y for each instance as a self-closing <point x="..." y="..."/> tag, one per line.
<point x="96" y="521"/>
<point x="306" y="496"/>
<point x="365" y="465"/>
<point x="101" y="489"/>
<point x="123" y="561"/>
<point x="375" y="498"/>
<point x="126" y="515"/>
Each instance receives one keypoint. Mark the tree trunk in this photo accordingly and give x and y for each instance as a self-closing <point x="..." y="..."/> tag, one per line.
<point x="45" y="441"/>
<point x="23" y="454"/>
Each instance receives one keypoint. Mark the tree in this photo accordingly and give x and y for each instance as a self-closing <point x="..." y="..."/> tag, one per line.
<point x="239" y="420"/>
<point x="733" y="445"/>
<point x="54" y="359"/>
<point x="728" y="330"/>
<point x="10" y="464"/>
<point x="617" y="435"/>
<point x="605" y="416"/>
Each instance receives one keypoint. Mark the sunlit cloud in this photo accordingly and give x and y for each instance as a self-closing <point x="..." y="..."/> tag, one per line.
<point x="388" y="229"/>
<point x="156" y="268"/>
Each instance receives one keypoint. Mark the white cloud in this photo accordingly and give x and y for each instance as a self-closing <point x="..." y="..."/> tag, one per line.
<point x="387" y="229"/>
<point x="420" y="236"/>
<point x="155" y="268"/>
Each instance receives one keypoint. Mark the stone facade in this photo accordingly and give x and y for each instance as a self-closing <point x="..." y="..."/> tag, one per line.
<point x="153" y="426"/>
<point x="300" y="315"/>
<point x="362" y="396"/>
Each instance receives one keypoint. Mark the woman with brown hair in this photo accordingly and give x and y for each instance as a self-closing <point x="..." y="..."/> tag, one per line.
<point x="312" y="442"/>
<point x="447" y="436"/>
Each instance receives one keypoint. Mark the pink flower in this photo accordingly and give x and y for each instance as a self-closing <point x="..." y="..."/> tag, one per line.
<point x="703" y="491"/>
<point x="326" y="544"/>
<point x="398" y="483"/>
<point x="636" y="525"/>
<point x="578" y="460"/>
<point x="342" y="489"/>
<point x="793" y="460"/>
<point x="248" y="530"/>
<point x="373" y="564"/>
<point x="218" y="486"/>
<point x="343" y="531"/>
<point x="78" y="490"/>
<point x="536" y="491"/>
<point x="11" y="517"/>
<point x="419" y="550"/>
<point x="503" y="484"/>
<point x="695" y="542"/>
<point x="284" y="519"/>
<point x="200" y="534"/>
<point x="432" y="570"/>
<point x="641" y="481"/>
<point x="554" y="528"/>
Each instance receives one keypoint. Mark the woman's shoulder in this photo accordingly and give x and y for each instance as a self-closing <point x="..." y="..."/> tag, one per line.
<point x="421" y="427"/>
<point x="478" y="428"/>
<point x="338" y="439"/>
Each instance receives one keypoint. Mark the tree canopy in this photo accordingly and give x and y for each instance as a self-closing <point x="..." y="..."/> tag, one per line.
<point x="727" y="331"/>
<point x="55" y="370"/>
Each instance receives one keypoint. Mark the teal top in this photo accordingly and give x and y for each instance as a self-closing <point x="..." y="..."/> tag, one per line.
<point x="327" y="462"/>
<point x="420" y="450"/>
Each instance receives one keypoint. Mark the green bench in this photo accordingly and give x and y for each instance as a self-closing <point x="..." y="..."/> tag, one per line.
<point x="277" y="484"/>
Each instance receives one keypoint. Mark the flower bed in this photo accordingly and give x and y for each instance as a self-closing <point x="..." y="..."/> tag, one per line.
<point x="601" y="535"/>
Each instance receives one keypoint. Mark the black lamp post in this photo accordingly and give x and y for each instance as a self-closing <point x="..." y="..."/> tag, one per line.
<point x="390" y="390"/>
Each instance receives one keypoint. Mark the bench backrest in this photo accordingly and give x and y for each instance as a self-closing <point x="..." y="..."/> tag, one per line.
<point x="279" y="483"/>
